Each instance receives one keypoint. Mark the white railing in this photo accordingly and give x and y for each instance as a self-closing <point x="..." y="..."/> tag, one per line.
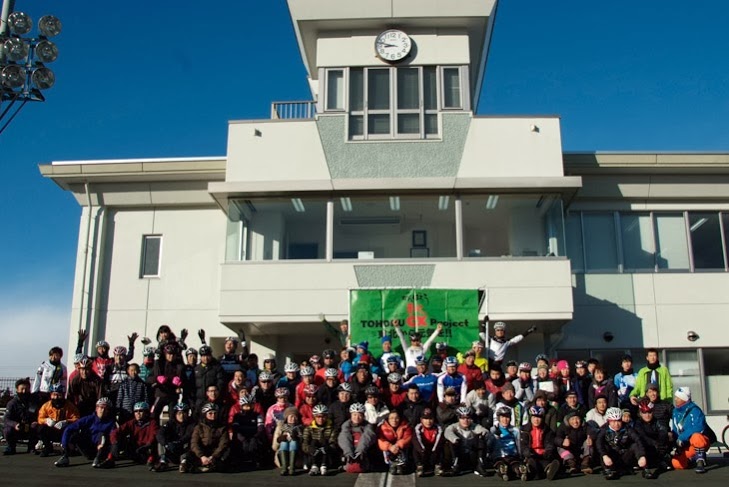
<point x="291" y="110"/>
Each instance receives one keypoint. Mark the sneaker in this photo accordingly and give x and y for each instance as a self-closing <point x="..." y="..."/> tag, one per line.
<point x="438" y="471"/>
<point x="63" y="461"/>
<point x="323" y="470"/>
<point x="183" y="466"/>
<point x="552" y="469"/>
<point x="400" y="470"/>
<point x="503" y="470"/>
<point x="700" y="466"/>
<point x="650" y="473"/>
<point x="523" y="473"/>
<point x="419" y="470"/>
<point x="314" y="470"/>
<point x="97" y="462"/>
<point x="610" y="474"/>
<point x="205" y="469"/>
<point x="571" y="466"/>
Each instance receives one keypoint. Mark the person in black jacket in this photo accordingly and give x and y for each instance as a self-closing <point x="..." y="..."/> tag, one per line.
<point x="21" y="417"/>
<point x="662" y="409"/>
<point x="166" y="380"/>
<point x="538" y="448"/>
<point x="173" y="439"/>
<point x="571" y="405"/>
<point x="601" y="385"/>
<point x="446" y="410"/>
<point x="619" y="448"/>
<point x="249" y="436"/>
<point x="413" y="406"/>
<point x="339" y="411"/>
<point x="207" y="373"/>
<point x="574" y="444"/>
<point x="655" y="438"/>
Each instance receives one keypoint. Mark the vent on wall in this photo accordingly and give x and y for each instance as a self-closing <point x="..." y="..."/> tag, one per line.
<point x="370" y="220"/>
<point x="370" y="224"/>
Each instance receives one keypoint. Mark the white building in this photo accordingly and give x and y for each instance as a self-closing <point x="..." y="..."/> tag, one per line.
<point x="605" y="253"/>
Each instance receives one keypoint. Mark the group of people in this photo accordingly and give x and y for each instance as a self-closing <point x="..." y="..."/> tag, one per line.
<point x="442" y="413"/>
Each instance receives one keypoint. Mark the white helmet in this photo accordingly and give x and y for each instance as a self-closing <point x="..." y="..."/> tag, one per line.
<point x="613" y="414"/>
<point x="291" y="367"/>
<point x="357" y="407"/>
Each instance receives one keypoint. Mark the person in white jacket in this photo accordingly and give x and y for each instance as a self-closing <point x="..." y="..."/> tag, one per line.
<point x="499" y="345"/>
<point x="50" y="372"/>
<point x="415" y="348"/>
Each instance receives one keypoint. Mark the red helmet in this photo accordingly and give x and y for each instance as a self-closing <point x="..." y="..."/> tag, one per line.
<point x="645" y="406"/>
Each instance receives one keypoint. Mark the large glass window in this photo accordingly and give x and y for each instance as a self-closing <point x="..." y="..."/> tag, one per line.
<point x="452" y="88"/>
<point x="600" y="242"/>
<point x="671" y="244"/>
<point x="637" y="239"/>
<point x="276" y="229"/>
<point x="394" y="227"/>
<point x="512" y="225"/>
<point x="716" y="372"/>
<point x="706" y="246"/>
<point x="335" y="89"/>
<point x="684" y="368"/>
<point x="575" y="250"/>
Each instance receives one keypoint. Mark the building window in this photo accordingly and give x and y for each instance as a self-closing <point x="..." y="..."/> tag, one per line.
<point x="151" y="255"/>
<point x="716" y="375"/>
<point x="671" y="244"/>
<point x="600" y="241"/>
<point x="404" y="102"/>
<point x="706" y="245"/>
<point x="637" y="241"/>
<point x="684" y="368"/>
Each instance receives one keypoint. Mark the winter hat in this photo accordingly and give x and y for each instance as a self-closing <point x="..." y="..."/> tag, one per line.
<point x="508" y="387"/>
<point x="385" y="338"/>
<point x="562" y="365"/>
<point x="683" y="393"/>
<point x="289" y="411"/>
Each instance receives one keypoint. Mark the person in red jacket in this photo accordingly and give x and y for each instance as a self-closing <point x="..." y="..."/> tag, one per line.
<point x="137" y="437"/>
<point x="394" y="394"/>
<point x="470" y="370"/>
<point x="307" y="408"/>
<point x="394" y="438"/>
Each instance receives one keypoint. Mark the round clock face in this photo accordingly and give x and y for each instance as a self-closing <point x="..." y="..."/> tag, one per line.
<point x="393" y="45"/>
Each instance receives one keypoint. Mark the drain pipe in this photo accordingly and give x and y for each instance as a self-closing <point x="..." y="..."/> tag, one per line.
<point x="86" y="259"/>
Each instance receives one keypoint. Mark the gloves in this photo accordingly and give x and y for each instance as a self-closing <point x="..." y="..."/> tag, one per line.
<point x="532" y="329"/>
<point x="183" y="334"/>
<point x="132" y="338"/>
<point x="60" y="425"/>
<point x="50" y="422"/>
<point x="177" y="382"/>
<point x="161" y="379"/>
<point x="201" y="334"/>
<point x="146" y="341"/>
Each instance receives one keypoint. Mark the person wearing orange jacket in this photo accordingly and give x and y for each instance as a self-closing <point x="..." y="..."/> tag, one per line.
<point x="394" y="438"/>
<point x="53" y="417"/>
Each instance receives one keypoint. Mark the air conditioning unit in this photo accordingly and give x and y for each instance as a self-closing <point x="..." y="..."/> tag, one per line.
<point x="372" y="225"/>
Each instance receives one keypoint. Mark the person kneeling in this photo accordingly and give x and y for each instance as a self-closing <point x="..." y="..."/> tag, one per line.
<point x="90" y="435"/>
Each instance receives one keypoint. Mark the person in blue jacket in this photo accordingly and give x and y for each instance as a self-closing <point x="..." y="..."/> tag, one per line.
<point x="90" y="435"/>
<point x="625" y="381"/>
<point x="692" y="434"/>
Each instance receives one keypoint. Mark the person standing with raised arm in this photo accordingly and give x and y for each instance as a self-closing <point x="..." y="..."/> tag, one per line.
<point x="415" y="348"/>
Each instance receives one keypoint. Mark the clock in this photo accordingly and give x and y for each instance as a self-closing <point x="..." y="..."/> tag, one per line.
<point x="393" y="45"/>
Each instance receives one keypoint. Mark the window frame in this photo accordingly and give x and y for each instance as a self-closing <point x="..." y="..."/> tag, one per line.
<point x="143" y="257"/>
<point x="345" y="83"/>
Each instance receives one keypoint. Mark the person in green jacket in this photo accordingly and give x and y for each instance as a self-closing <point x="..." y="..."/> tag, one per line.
<point x="653" y="373"/>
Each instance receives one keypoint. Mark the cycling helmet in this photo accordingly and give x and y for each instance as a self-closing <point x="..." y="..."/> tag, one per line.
<point x="645" y="406"/>
<point x="102" y="343"/>
<point x="525" y="367"/>
<point x="503" y="411"/>
<point x="372" y="391"/>
<point x="441" y="346"/>
<point x="344" y="386"/>
<point x="614" y="414"/>
<point x="310" y="389"/>
<point x="580" y="364"/>
<point x="451" y="362"/>
<point x="314" y="359"/>
<point x="536" y="411"/>
<point x="205" y="350"/>
<point x="394" y="378"/>
<point x="320" y="410"/>
<point x="331" y="373"/>
<point x="148" y="351"/>
<point x="416" y="336"/>
<point x="104" y="402"/>
<point x="541" y="356"/>
<point x="420" y="360"/>
<point x="56" y="388"/>
<point x="291" y="367"/>
<point x="190" y="351"/>
<point x="78" y="358"/>
<point x="393" y="359"/>
<point x="171" y="348"/>
<point x="85" y="363"/>
<point x="181" y="406"/>
<point x="120" y="350"/>
<point x="329" y="353"/>
<point x="141" y="406"/>
<point x="281" y="392"/>
<point x="208" y="407"/>
<point x="357" y="407"/>
<point x="246" y="399"/>
<point x="265" y="376"/>
<point x="269" y="358"/>
<point x="306" y="370"/>
<point x="463" y="411"/>
<point x="232" y="339"/>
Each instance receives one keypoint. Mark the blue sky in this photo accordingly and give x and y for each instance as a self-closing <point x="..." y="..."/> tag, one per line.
<point x="162" y="79"/>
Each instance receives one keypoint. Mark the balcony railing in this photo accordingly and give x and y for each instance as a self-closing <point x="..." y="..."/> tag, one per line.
<point x="292" y="110"/>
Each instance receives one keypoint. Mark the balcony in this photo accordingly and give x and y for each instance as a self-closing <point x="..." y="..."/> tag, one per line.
<point x="293" y="110"/>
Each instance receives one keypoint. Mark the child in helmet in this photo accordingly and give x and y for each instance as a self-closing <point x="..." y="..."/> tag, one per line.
<point x="466" y="444"/>
<point x="355" y="439"/>
<point x="619" y="448"/>
<point x="136" y="437"/>
<point x="538" y="448"/>
<point x="173" y="439"/>
<point x="428" y="443"/>
<point x="319" y="442"/>
<point x="287" y="440"/>
<point x="415" y="348"/>
<point x="209" y="446"/>
<point x="505" y="446"/>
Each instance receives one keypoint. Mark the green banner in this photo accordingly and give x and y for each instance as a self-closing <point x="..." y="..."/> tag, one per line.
<point x="371" y="313"/>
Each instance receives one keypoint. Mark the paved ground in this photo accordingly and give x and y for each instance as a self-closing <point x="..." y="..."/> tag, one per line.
<point x="23" y="469"/>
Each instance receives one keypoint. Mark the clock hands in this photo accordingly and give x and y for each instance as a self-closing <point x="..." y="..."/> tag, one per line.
<point x="387" y="45"/>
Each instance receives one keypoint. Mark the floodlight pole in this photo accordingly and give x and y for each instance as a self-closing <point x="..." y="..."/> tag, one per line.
<point x="8" y="6"/>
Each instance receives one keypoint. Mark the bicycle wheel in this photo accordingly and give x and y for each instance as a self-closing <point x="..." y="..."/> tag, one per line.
<point x="725" y="435"/>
